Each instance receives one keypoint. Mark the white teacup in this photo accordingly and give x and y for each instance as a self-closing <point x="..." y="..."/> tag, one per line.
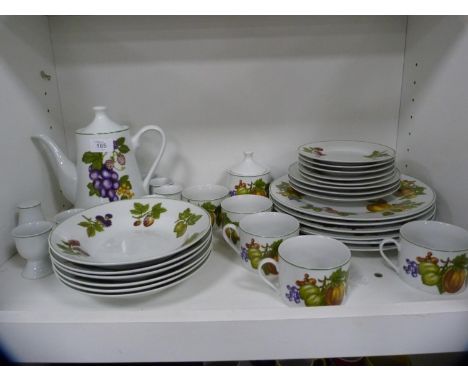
<point x="207" y="196"/>
<point x="260" y="236"/>
<point x="31" y="243"/>
<point x="158" y="182"/>
<point x="167" y="191"/>
<point x="313" y="271"/>
<point x="432" y="256"/>
<point x="235" y="208"/>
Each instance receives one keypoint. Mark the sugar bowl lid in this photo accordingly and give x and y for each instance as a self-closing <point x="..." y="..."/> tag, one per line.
<point x="248" y="167"/>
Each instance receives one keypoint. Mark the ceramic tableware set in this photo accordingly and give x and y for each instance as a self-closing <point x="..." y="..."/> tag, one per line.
<point x="30" y="236"/>
<point x="351" y="191"/>
<point x="131" y="247"/>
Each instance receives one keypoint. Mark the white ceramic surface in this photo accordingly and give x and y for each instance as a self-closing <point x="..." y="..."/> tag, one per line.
<point x="151" y="287"/>
<point x="149" y="278"/>
<point x="248" y="177"/>
<point x="167" y="191"/>
<point x="376" y="226"/>
<point x="64" y="215"/>
<point x="343" y="166"/>
<point x="413" y="197"/>
<point x="158" y="182"/>
<point x="345" y="197"/>
<point x="295" y="175"/>
<point x="31" y="243"/>
<point x="313" y="271"/>
<point x="260" y="235"/>
<point x="342" y="151"/>
<point x="432" y="256"/>
<point x="345" y="172"/>
<point x="339" y="178"/>
<point x="129" y="232"/>
<point x="133" y="271"/>
<point x="237" y="207"/>
<point x="106" y="168"/>
<point x="29" y="211"/>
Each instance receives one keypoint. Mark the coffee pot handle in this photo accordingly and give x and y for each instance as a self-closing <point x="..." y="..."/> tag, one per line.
<point x="262" y="275"/>
<point x="389" y="262"/>
<point x="136" y="144"/>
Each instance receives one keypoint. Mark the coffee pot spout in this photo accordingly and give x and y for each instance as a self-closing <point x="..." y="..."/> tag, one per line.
<point x="64" y="169"/>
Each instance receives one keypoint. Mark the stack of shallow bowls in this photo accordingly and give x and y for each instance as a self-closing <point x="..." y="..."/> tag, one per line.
<point x="351" y="191"/>
<point x="131" y="248"/>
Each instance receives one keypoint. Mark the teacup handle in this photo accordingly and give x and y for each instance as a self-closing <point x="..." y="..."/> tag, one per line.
<point x="228" y="240"/>
<point x="136" y="143"/>
<point x="262" y="275"/>
<point x="385" y="241"/>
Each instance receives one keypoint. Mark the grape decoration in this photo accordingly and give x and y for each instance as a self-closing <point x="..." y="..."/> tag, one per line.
<point x="411" y="267"/>
<point x="98" y="224"/>
<point x="105" y="181"/>
<point x="293" y="294"/>
<point x="259" y="187"/>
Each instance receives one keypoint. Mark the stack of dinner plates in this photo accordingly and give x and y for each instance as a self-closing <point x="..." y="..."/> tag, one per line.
<point x="345" y="171"/>
<point x="131" y="247"/>
<point x="361" y="225"/>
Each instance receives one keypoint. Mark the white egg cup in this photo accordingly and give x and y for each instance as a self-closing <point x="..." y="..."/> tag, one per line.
<point x="32" y="245"/>
<point x="29" y="211"/>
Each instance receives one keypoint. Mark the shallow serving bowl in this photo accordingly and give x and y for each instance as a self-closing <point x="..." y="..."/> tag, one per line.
<point x="129" y="232"/>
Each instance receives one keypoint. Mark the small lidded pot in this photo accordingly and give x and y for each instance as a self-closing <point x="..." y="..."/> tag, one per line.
<point x="249" y="177"/>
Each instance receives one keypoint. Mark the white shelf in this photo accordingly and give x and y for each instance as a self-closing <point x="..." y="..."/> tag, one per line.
<point x="225" y="312"/>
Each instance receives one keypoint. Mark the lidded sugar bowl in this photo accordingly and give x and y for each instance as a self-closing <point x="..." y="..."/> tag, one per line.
<point x="248" y="177"/>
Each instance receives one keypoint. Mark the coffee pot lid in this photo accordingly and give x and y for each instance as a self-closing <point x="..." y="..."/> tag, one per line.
<point x="101" y="124"/>
<point x="248" y="167"/>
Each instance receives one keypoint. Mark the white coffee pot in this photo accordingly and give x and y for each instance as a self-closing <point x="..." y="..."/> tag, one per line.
<point x="106" y="169"/>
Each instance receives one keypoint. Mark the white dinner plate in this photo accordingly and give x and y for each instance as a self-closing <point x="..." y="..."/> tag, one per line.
<point x="344" y="166"/>
<point x="412" y="198"/>
<point x="295" y="175"/>
<point x="346" y="197"/>
<point x="381" y="175"/>
<point x="376" y="230"/>
<point x="135" y="231"/>
<point x="345" y="172"/>
<point x="371" y="226"/>
<point x="341" y="151"/>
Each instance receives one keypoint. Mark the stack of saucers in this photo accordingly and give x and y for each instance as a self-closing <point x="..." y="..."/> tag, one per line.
<point x="345" y="171"/>
<point x="358" y="209"/>
<point x="131" y="248"/>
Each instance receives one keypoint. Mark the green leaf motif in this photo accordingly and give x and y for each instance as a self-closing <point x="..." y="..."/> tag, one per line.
<point x="90" y="231"/>
<point x="124" y="149"/>
<point x="377" y="154"/>
<point x="157" y="210"/>
<point x="208" y="206"/>
<point x="193" y="219"/>
<point x="259" y="183"/>
<point x="120" y="141"/>
<point x="139" y="209"/>
<point x="92" y="189"/>
<point x="95" y="159"/>
<point x="185" y="214"/>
